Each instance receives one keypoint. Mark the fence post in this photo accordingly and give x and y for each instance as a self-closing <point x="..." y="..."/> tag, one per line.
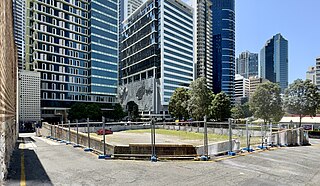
<point x="103" y="156"/>
<point x="88" y="131"/>
<point x="205" y="157"/>
<point x="69" y="134"/>
<point x="153" y="141"/>
<point x="231" y="153"/>
<point x="77" y="143"/>
<point x="247" y="132"/>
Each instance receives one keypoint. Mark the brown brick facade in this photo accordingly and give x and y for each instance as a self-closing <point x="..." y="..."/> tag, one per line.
<point x="8" y="86"/>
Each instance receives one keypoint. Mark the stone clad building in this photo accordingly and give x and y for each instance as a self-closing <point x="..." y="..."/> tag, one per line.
<point x="8" y="86"/>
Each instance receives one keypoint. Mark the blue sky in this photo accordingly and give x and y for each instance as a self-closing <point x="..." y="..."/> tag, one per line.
<point x="297" y="20"/>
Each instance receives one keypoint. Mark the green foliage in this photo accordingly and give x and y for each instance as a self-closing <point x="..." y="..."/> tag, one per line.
<point x="302" y="98"/>
<point x="246" y="110"/>
<point x="178" y="103"/>
<point x="237" y="112"/>
<point x="84" y="110"/>
<point x="200" y="99"/>
<point x="220" y="107"/>
<point x="266" y="102"/>
<point x="116" y="113"/>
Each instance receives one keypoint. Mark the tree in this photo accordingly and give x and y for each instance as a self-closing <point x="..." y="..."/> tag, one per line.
<point x="179" y="103"/>
<point x="237" y="112"/>
<point x="93" y="111"/>
<point x="266" y="102"/>
<point x="118" y="112"/>
<point x="302" y="98"/>
<point x="246" y="110"/>
<point x="220" y="107"/>
<point x="84" y="110"/>
<point x="200" y="99"/>
<point x="77" y="111"/>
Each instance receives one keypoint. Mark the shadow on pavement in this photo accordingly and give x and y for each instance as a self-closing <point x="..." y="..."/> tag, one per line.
<point x="34" y="171"/>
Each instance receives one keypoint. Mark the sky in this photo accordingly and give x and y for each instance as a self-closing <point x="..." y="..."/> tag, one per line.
<point x="297" y="20"/>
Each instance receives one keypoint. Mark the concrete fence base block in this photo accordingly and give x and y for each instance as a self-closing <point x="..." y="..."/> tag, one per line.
<point x="230" y="153"/>
<point x="262" y="147"/>
<point x="76" y="145"/>
<point x="88" y="150"/>
<point x="68" y="142"/>
<point x="62" y="141"/>
<point x="101" y="156"/>
<point x="248" y="149"/>
<point x="153" y="159"/>
<point x="204" y="158"/>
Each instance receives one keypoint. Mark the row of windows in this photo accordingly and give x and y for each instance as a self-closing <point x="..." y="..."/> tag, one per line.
<point x="178" y="37"/>
<point x="177" y="66"/>
<point x="178" y="49"/>
<point x="177" y="77"/>
<point x="178" y="71"/>
<point x="179" y="55"/>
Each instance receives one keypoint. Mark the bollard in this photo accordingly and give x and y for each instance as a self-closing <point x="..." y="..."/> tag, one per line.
<point x="88" y="131"/>
<point x="77" y="144"/>
<point x="103" y="156"/>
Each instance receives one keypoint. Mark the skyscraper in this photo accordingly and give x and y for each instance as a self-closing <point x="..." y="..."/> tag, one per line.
<point x="157" y="55"/>
<point x="247" y="64"/>
<point x="204" y="40"/>
<point x="223" y="26"/>
<point x="74" y="45"/>
<point x="242" y="86"/>
<point x="274" y="61"/>
<point x="19" y="29"/>
<point x="311" y="75"/>
<point x="318" y="72"/>
<point x="127" y="7"/>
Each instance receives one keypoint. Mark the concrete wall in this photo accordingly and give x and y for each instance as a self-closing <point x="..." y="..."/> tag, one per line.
<point x="219" y="148"/>
<point x="8" y="87"/>
<point x="290" y="137"/>
<point x="63" y="133"/>
<point x="221" y="131"/>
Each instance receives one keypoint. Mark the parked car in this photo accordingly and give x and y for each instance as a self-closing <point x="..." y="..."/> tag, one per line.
<point x="107" y="131"/>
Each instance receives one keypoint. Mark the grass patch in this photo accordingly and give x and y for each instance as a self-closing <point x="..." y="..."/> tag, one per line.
<point x="196" y="136"/>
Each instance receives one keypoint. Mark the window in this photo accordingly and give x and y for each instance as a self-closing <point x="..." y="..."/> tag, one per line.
<point x="44" y="76"/>
<point x="54" y="31"/>
<point x="61" y="87"/>
<point x="61" y="59"/>
<point x="44" y="66"/>
<point x="45" y="95"/>
<point x="54" y="58"/>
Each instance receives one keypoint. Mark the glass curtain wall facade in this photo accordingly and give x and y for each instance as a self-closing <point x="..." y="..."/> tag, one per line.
<point x="274" y="61"/>
<point x="223" y="26"/>
<point x="156" y="43"/>
<point x="73" y="44"/>
<point x="19" y="29"/>
<point x="247" y="64"/>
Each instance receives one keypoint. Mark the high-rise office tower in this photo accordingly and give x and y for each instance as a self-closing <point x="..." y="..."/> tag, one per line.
<point x="274" y="61"/>
<point x="29" y="97"/>
<point x="247" y="64"/>
<point x="74" y="45"/>
<point x="157" y="55"/>
<point x="203" y="46"/>
<point x="19" y="29"/>
<point x="318" y="72"/>
<point x="127" y="7"/>
<point x="242" y="86"/>
<point x="223" y="27"/>
<point x="311" y="75"/>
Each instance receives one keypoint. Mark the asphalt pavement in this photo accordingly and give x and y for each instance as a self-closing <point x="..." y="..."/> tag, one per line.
<point x="41" y="161"/>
